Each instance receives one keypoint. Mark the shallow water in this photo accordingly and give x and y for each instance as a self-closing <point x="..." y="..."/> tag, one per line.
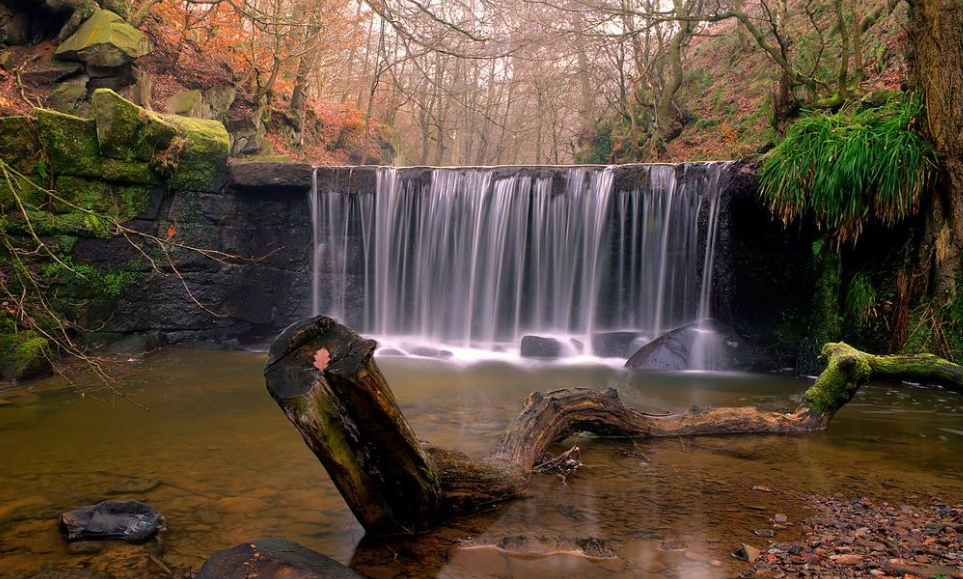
<point x="216" y="456"/>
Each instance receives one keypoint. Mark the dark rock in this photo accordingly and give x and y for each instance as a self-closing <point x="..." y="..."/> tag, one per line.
<point x="14" y="25"/>
<point x="429" y="352"/>
<point x="116" y="343"/>
<point x="614" y="344"/>
<point x="539" y="347"/>
<point x="709" y="345"/>
<point x="390" y="352"/>
<point x="273" y="558"/>
<point x="132" y="521"/>
<point x="271" y="177"/>
<point x="746" y="553"/>
<point x="247" y="137"/>
<point x="49" y="72"/>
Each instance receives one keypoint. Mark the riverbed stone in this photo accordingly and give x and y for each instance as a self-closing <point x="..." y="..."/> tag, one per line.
<point x="273" y="558"/>
<point x="104" y="40"/>
<point x="131" y="521"/>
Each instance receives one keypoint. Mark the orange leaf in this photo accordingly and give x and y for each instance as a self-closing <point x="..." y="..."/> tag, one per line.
<point x="321" y="359"/>
<point x="171" y="231"/>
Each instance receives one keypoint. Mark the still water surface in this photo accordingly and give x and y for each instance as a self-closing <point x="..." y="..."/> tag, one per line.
<point x="216" y="456"/>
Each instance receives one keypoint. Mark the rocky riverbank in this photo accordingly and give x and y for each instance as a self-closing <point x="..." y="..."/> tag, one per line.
<point x="866" y="538"/>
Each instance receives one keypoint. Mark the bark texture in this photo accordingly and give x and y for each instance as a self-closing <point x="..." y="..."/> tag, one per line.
<point x="326" y="381"/>
<point x="935" y="30"/>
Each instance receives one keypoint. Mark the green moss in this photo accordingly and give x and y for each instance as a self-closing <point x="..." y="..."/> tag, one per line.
<point x="73" y="149"/>
<point x="128" y="132"/>
<point x="24" y="355"/>
<point x="847" y="369"/>
<point x="824" y="320"/>
<point x="202" y="156"/>
<point x="19" y="145"/>
<point x="47" y="223"/>
<point x="121" y="201"/>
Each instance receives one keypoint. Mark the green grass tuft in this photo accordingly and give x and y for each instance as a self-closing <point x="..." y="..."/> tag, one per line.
<point x="847" y="168"/>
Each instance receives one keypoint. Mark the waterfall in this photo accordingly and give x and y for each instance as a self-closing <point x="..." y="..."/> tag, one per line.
<point x="474" y="259"/>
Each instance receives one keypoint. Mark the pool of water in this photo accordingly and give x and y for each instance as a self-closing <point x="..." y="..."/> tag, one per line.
<point x="217" y="457"/>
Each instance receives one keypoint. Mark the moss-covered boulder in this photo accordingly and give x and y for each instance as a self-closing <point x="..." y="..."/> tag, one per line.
<point x="71" y="145"/>
<point x="128" y="132"/>
<point x="104" y="40"/>
<point x="23" y="355"/>
<point x="19" y="146"/>
<point x="200" y="163"/>
<point x="69" y="98"/>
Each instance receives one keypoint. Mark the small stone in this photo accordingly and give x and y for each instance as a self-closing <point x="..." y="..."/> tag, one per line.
<point x="131" y="521"/>
<point x="768" y="533"/>
<point x="781" y="518"/>
<point x="746" y="553"/>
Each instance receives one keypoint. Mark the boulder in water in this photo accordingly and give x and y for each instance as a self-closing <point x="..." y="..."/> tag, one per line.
<point x="614" y="344"/>
<point x="132" y="521"/>
<point x="540" y="347"/>
<point x="273" y="558"/>
<point x="705" y="345"/>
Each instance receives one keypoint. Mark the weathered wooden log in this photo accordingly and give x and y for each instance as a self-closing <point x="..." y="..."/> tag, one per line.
<point x="325" y="379"/>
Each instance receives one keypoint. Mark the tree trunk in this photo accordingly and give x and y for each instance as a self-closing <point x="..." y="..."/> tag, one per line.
<point x="326" y="381"/>
<point x="935" y="29"/>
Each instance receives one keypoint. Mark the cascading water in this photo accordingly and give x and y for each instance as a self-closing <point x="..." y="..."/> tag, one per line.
<point x="473" y="259"/>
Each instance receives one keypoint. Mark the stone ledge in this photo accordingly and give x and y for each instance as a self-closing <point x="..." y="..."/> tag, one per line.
<point x="269" y="176"/>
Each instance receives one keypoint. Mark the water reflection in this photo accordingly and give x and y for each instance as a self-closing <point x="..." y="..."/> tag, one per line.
<point x="217" y="457"/>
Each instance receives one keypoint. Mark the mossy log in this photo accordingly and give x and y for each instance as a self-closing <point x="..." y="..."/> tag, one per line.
<point x="324" y="377"/>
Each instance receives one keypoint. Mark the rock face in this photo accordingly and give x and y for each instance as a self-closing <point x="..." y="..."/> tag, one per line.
<point x="132" y="521"/>
<point x="273" y="558"/>
<point x="707" y="345"/>
<point x="104" y="40"/>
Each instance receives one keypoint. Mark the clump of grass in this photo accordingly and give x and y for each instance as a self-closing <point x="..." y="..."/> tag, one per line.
<point x="844" y="169"/>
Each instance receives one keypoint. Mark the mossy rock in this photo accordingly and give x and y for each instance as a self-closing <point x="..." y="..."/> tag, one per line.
<point x="104" y="40"/>
<point x="24" y="355"/>
<point x="69" y="98"/>
<point x="124" y="201"/>
<point x="201" y="154"/>
<point x="128" y="132"/>
<point x="19" y="145"/>
<point x="73" y="149"/>
<point x="187" y="103"/>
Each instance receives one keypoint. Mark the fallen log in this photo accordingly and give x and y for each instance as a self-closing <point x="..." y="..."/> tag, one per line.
<point x="324" y="377"/>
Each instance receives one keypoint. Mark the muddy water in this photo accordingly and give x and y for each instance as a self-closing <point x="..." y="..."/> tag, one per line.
<point x="216" y="456"/>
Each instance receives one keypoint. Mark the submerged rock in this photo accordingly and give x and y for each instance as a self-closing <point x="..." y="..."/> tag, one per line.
<point x="132" y="521"/>
<point x="539" y="347"/>
<point x="273" y="558"/>
<point x="706" y="345"/>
